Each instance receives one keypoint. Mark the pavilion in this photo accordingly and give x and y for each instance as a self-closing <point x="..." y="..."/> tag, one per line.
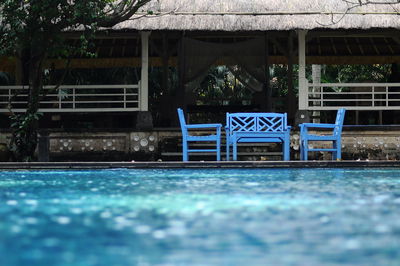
<point x="247" y="36"/>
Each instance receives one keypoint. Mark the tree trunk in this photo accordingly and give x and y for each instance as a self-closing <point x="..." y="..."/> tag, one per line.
<point x="25" y="125"/>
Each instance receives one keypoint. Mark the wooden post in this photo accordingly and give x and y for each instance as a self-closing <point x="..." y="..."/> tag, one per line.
<point x="182" y="70"/>
<point x="291" y="98"/>
<point x="144" y="120"/>
<point x="144" y="79"/>
<point x="302" y="70"/>
<point x="316" y="79"/>
<point x="268" y="89"/>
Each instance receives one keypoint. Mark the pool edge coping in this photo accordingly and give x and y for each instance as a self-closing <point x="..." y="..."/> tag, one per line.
<point x="196" y="164"/>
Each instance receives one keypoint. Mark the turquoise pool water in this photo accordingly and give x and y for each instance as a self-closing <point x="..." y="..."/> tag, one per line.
<point x="200" y="217"/>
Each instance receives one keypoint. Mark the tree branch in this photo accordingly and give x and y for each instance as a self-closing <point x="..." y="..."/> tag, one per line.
<point x="352" y="4"/>
<point x="121" y="12"/>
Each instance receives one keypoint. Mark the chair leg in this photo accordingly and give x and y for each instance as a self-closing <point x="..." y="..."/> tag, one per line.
<point x="218" y="150"/>
<point x="337" y="155"/>
<point x="185" y="151"/>
<point x="304" y="149"/>
<point x="334" y="153"/>
<point x="301" y="151"/>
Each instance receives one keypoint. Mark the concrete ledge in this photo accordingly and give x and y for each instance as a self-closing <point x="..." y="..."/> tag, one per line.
<point x="201" y="164"/>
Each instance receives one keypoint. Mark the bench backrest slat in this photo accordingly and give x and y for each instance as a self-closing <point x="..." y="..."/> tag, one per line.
<point x="256" y="122"/>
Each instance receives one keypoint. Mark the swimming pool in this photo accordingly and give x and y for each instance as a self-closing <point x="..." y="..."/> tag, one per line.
<point x="200" y="217"/>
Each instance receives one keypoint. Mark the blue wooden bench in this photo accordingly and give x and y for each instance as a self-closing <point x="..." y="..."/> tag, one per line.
<point x="257" y="128"/>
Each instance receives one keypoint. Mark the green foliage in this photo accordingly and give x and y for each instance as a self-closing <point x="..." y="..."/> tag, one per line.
<point x="156" y="91"/>
<point x="279" y="80"/>
<point x="329" y="74"/>
<point x="355" y="73"/>
<point x="221" y="85"/>
<point x="40" y="24"/>
<point x="24" y="141"/>
<point x="35" y="30"/>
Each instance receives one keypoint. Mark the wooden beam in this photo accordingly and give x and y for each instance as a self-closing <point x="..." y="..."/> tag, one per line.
<point x="109" y="62"/>
<point x="173" y="61"/>
<point x="8" y="64"/>
<point x="380" y="47"/>
<point x="353" y="60"/>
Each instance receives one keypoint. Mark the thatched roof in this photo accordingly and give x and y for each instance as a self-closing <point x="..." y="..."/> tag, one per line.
<point x="261" y="15"/>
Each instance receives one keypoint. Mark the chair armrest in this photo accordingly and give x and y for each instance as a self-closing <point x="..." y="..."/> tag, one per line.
<point x="195" y="126"/>
<point x="311" y="125"/>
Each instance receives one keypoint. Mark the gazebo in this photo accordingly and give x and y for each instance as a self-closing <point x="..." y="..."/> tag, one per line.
<point x="246" y="36"/>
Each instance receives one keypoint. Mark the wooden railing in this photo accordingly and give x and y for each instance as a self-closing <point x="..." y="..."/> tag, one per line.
<point x="74" y="98"/>
<point x="353" y="96"/>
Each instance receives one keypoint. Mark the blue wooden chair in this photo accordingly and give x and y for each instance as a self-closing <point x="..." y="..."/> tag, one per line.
<point x="187" y="137"/>
<point x="334" y="135"/>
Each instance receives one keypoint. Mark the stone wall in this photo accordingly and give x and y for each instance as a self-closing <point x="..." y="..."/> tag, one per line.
<point x="362" y="143"/>
<point x="358" y="143"/>
<point x="116" y="146"/>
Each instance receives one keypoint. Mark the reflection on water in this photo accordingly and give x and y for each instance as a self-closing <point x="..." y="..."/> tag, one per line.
<point x="200" y="217"/>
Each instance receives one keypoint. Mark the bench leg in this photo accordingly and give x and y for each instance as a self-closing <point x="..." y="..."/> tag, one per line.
<point x="227" y="150"/>
<point x="286" y="150"/>
<point x="286" y="147"/>
<point x="234" y="151"/>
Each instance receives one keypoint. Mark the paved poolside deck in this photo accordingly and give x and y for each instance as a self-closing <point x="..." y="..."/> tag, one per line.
<point x="197" y="164"/>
